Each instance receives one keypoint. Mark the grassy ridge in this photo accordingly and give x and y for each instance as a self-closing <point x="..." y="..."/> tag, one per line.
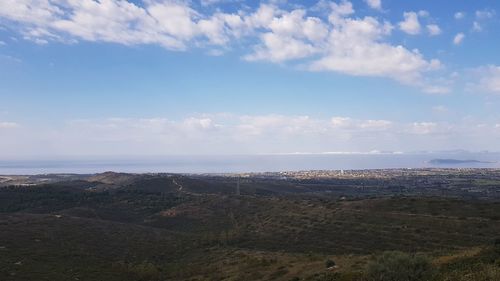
<point x="149" y="230"/>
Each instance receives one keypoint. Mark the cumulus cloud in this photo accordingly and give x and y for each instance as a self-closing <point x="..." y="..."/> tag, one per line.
<point x="290" y="36"/>
<point x="333" y="40"/>
<point x="410" y="24"/>
<point x="485" y="14"/>
<point x="424" y="13"/>
<point x="344" y="44"/>
<point x="489" y="79"/>
<point x="476" y="26"/>
<point x="341" y="122"/>
<point x="376" y="124"/>
<point x="423" y="128"/>
<point x="171" y="24"/>
<point x="374" y="4"/>
<point x="356" y="46"/>
<point x="210" y="2"/>
<point x="482" y="16"/>
<point x="433" y="29"/>
<point x="459" y="15"/>
<point x="350" y="124"/>
<point x="459" y="38"/>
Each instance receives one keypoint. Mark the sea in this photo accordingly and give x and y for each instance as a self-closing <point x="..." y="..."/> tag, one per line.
<point x="201" y="164"/>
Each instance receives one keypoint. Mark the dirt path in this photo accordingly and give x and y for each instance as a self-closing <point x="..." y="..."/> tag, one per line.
<point x="177" y="184"/>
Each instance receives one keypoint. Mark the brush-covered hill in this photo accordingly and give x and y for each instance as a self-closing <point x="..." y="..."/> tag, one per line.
<point x="192" y="227"/>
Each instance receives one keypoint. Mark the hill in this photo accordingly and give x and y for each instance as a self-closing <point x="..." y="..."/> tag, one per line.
<point x="194" y="227"/>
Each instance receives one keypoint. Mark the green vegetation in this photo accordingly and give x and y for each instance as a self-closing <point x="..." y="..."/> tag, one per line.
<point x="399" y="266"/>
<point x="329" y="264"/>
<point x="146" y="229"/>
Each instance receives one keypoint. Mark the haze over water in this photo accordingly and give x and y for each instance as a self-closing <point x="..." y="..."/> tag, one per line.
<point x="247" y="163"/>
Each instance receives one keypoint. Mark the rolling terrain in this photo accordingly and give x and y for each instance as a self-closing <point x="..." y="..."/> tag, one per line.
<point x="295" y="226"/>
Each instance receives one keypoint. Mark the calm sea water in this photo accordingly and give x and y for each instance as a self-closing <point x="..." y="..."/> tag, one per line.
<point x="245" y="163"/>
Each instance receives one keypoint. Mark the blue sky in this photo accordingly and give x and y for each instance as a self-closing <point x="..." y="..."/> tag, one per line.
<point x="159" y="77"/>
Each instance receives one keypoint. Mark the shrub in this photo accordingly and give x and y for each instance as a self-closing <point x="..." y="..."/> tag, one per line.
<point x="334" y="276"/>
<point x="497" y="242"/>
<point x="480" y="272"/>
<point x="398" y="266"/>
<point x="329" y="263"/>
<point x="496" y="247"/>
<point x="144" y="271"/>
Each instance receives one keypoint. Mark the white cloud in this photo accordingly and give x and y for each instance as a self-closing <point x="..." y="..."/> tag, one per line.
<point x="459" y="38"/>
<point x="343" y="9"/>
<point x="341" y="122"/>
<point x="376" y="125"/>
<point x="436" y="89"/>
<point x="210" y="2"/>
<point x="171" y="24"/>
<point x="350" y="124"/>
<point x="433" y="29"/>
<point x="482" y="16"/>
<point x="423" y="128"/>
<point x="297" y="24"/>
<point x="8" y="125"/>
<point x="200" y="123"/>
<point x="291" y="36"/>
<point x="173" y="18"/>
<point x="356" y="48"/>
<point x="440" y="109"/>
<point x="339" y="42"/>
<point x="476" y="26"/>
<point x="2" y="43"/>
<point x="276" y="49"/>
<point x="489" y="79"/>
<point x="423" y="13"/>
<point x="10" y="59"/>
<point x="282" y="126"/>
<point x="263" y="16"/>
<point x="33" y="11"/>
<point x="459" y="15"/>
<point x="410" y="25"/>
<point x="374" y="4"/>
<point x="348" y="45"/>
<point x="485" y="14"/>
<point x="237" y="134"/>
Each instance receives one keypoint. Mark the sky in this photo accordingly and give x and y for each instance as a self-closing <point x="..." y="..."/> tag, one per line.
<point x="163" y="77"/>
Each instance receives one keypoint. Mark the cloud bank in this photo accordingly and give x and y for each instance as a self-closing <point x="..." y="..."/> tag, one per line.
<point x="242" y="134"/>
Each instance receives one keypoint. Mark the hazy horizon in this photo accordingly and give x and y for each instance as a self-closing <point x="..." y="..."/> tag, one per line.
<point x="197" y="164"/>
